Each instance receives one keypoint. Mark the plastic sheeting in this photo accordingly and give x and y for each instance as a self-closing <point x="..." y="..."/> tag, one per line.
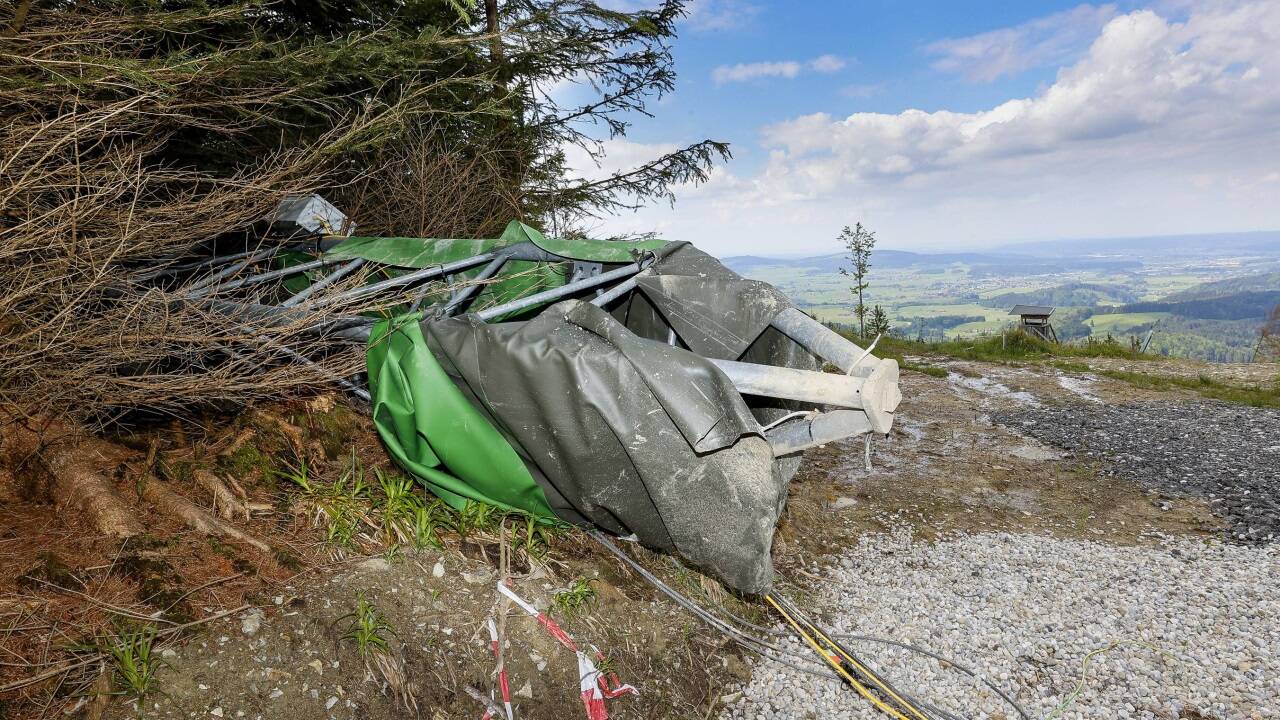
<point x="592" y="417"/>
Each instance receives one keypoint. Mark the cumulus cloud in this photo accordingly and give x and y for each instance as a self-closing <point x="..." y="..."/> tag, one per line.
<point x="752" y="71"/>
<point x="743" y="72"/>
<point x="1161" y="126"/>
<point x="1050" y="40"/>
<point x="1145" y="83"/>
<point x="827" y="63"/>
<point x="711" y="15"/>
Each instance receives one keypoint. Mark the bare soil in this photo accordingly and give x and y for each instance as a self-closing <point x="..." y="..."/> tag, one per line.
<point x="945" y="467"/>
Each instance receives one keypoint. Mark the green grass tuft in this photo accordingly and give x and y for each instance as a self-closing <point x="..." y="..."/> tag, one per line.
<point x="393" y="511"/>
<point x="135" y="664"/>
<point x="367" y="627"/>
<point x="580" y="597"/>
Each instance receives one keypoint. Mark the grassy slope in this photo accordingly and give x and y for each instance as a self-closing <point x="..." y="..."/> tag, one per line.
<point x="1020" y="348"/>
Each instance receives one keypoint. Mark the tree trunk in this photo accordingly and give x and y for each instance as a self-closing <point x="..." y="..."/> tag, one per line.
<point x="74" y="462"/>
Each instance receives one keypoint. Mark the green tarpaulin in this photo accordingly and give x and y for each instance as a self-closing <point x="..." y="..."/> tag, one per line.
<point x="428" y="425"/>
<point x="426" y="252"/>
<point x="431" y="429"/>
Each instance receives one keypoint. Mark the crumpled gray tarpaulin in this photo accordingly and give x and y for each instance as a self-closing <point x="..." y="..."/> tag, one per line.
<point x="627" y="432"/>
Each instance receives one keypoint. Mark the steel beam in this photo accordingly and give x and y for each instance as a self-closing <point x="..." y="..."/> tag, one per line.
<point x="400" y="280"/>
<point x="824" y="342"/>
<point x="273" y="274"/>
<point x="463" y="297"/>
<point x="614" y="292"/>
<point x="800" y="435"/>
<point x="209" y="284"/>
<point x="807" y="386"/>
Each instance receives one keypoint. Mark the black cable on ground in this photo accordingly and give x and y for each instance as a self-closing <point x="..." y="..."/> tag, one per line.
<point x="902" y="702"/>
<point x="756" y="645"/>
<point x="905" y="646"/>
<point x="771" y="652"/>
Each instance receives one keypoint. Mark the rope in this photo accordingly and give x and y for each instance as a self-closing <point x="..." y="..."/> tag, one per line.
<point x="1084" y="671"/>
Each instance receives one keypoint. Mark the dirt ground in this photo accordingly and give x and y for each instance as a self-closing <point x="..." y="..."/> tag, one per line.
<point x="288" y="655"/>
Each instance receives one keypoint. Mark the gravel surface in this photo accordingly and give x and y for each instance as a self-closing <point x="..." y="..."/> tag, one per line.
<point x="1199" y="623"/>
<point x="1229" y="454"/>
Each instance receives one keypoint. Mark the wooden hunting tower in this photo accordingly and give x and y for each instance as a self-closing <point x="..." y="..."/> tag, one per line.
<point x="1034" y="320"/>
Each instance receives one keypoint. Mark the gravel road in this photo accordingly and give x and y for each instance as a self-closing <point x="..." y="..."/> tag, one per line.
<point x="1228" y="454"/>
<point x="1198" y="623"/>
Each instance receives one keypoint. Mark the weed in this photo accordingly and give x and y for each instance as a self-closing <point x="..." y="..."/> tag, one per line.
<point x="134" y="664"/>
<point x="1010" y="346"/>
<point x="1066" y="366"/>
<point x="476" y="517"/>
<point x="341" y="508"/>
<point x="427" y="521"/>
<point x="534" y="538"/>
<point x="1257" y="396"/>
<point x="367" y="628"/>
<point x="297" y="475"/>
<point x="930" y="370"/>
<point x="398" y="506"/>
<point x="578" y="598"/>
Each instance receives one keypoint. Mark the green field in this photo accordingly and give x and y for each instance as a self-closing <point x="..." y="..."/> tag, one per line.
<point x="950" y="293"/>
<point x="1123" y="323"/>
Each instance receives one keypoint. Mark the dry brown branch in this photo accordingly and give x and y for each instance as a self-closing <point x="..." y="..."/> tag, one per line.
<point x="167" y="501"/>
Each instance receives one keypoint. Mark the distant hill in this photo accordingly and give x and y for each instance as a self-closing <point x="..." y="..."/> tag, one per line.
<point x="1238" y="306"/>
<point x="1262" y="282"/>
<point x="1263" y="244"/>
<point x="980" y="264"/>
<point x="1066" y="295"/>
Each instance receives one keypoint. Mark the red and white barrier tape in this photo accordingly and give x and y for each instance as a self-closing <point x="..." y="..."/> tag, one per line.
<point x="595" y="686"/>
<point x="503" y="686"/>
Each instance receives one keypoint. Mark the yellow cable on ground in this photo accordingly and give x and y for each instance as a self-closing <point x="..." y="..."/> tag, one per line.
<point x="857" y="665"/>
<point x="912" y="709"/>
<point x="839" y="668"/>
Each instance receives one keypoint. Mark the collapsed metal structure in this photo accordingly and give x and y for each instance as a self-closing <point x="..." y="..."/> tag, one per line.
<point x="569" y="349"/>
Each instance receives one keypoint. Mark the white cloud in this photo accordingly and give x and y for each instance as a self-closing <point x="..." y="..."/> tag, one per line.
<point x="619" y="154"/>
<point x="711" y="15"/>
<point x="862" y="90"/>
<point x="753" y="71"/>
<point x="1044" y="41"/>
<point x="1160" y="127"/>
<point x="827" y="63"/>
<point x="743" y="72"/>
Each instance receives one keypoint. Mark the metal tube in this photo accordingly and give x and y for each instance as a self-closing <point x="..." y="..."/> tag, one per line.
<point x="823" y="342"/>
<point x="424" y="274"/>
<point x="463" y="297"/>
<point x="209" y="284"/>
<point x="323" y="282"/>
<point x="562" y="291"/>
<point x="826" y="427"/>
<point x="615" y="292"/>
<point x="208" y="262"/>
<point x="347" y="327"/>
<point x="342" y="382"/>
<point x="790" y="384"/>
<point x="273" y="274"/>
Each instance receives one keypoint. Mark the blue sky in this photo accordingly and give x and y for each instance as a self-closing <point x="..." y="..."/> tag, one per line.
<point x="944" y="124"/>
